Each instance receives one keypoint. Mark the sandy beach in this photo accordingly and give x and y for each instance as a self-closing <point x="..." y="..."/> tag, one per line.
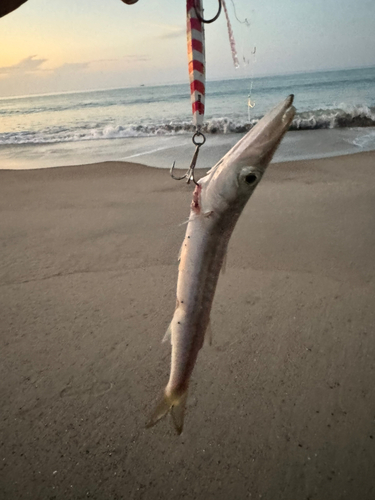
<point x="281" y="406"/>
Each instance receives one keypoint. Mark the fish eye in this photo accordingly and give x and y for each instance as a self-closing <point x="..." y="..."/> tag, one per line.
<point x="251" y="178"/>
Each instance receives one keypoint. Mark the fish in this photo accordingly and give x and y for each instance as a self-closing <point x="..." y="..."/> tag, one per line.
<point x="218" y="201"/>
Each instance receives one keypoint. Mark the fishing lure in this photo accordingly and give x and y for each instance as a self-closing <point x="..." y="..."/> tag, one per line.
<point x="197" y="75"/>
<point x="196" y="59"/>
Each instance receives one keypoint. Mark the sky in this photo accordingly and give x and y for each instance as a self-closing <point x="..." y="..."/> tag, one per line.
<point x="49" y="46"/>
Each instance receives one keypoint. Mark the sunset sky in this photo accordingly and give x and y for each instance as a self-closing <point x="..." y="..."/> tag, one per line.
<point x="64" y="45"/>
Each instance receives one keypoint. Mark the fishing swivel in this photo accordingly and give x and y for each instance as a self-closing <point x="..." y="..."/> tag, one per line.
<point x="198" y="140"/>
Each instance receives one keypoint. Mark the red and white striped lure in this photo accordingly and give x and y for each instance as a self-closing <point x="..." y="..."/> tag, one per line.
<point x="197" y="76"/>
<point x="196" y="57"/>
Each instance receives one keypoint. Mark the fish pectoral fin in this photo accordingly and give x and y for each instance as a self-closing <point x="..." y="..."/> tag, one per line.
<point x="186" y="222"/>
<point x="175" y="404"/>
<point x="168" y="334"/>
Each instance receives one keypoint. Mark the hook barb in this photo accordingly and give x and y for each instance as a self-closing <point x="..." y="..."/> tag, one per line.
<point x="190" y="171"/>
<point x="173" y="177"/>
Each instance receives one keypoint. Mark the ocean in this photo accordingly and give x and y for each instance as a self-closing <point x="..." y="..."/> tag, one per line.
<point x="152" y="124"/>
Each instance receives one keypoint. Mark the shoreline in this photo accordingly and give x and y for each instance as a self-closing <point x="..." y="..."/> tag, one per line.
<point x="135" y="168"/>
<point x="159" y="151"/>
<point x="280" y="405"/>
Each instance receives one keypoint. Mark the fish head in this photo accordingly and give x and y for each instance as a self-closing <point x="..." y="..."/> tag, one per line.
<point x="235" y="177"/>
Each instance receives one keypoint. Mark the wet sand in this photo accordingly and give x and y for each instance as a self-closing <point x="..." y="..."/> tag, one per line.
<point x="281" y="406"/>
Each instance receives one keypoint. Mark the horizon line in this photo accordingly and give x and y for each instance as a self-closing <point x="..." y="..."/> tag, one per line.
<point x="264" y="75"/>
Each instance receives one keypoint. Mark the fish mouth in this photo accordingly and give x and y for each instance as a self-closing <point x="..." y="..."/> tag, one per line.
<point x="261" y="142"/>
<point x="258" y="146"/>
<point x="279" y="118"/>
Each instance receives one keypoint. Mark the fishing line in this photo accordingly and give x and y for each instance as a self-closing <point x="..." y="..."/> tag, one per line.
<point x="245" y="21"/>
<point x="247" y="62"/>
<point x="250" y="101"/>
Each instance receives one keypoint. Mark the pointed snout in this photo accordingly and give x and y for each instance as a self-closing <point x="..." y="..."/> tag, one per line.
<point x="261" y="142"/>
<point x="274" y="124"/>
<point x="253" y="152"/>
<point x="290" y="99"/>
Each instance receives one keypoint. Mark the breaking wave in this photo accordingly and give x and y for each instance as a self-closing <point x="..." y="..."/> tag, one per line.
<point x="342" y="117"/>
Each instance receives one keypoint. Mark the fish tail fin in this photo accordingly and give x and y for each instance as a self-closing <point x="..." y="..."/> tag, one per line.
<point x="175" y="403"/>
<point x="178" y="412"/>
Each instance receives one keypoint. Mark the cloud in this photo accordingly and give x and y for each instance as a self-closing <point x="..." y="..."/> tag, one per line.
<point x="32" y="65"/>
<point x="137" y="58"/>
<point x="168" y="30"/>
<point x="27" y="65"/>
<point x="36" y="75"/>
<point x="173" y="32"/>
<point x="71" y="67"/>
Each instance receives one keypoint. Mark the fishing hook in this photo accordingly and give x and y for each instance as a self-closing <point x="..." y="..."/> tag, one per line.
<point x="190" y="172"/>
<point x="207" y="21"/>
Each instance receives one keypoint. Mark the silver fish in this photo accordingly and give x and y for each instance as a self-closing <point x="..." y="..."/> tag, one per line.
<point x="218" y="201"/>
